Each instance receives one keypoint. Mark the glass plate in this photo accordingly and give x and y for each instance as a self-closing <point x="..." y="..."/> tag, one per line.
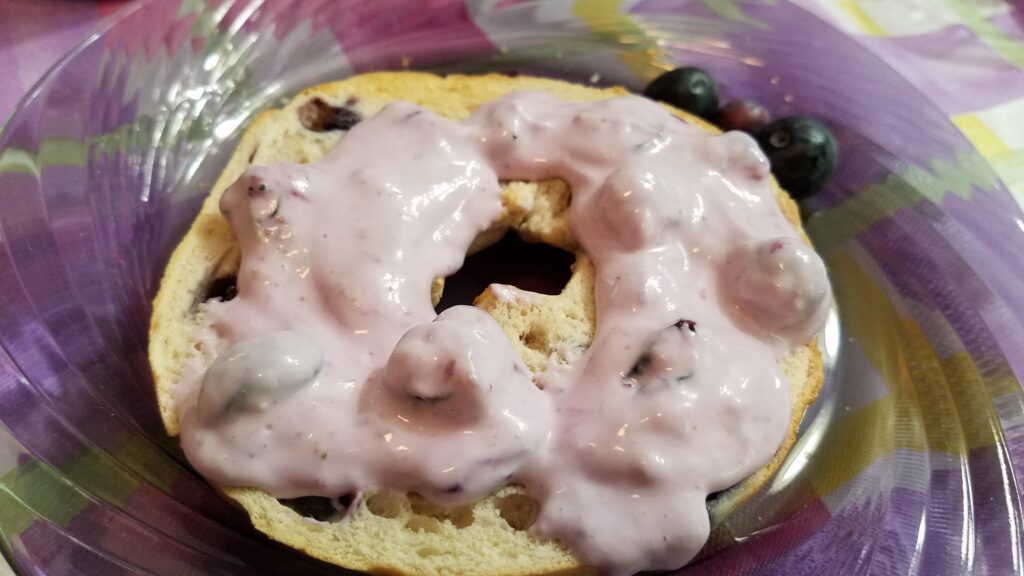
<point x="905" y="465"/>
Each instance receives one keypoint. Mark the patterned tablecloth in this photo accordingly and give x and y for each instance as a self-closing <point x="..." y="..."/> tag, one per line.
<point x="968" y="55"/>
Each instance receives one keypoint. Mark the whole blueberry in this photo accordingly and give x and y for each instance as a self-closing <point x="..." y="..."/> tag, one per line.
<point x="802" y="152"/>
<point x="690" y="89"/>
<point x="744" y="115"/>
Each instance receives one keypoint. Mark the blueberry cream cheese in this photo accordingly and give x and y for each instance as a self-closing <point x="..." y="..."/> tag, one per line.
<point x="329" y="373"/>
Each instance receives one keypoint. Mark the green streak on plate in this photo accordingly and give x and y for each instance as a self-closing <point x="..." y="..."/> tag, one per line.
<point x="730" y="10"/>
<point x="879" y="200"/>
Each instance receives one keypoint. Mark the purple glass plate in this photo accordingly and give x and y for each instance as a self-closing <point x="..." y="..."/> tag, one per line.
<point x="905" y="465"/>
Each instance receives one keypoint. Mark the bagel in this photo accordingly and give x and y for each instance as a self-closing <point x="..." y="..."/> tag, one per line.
<point x="384" y="531"/>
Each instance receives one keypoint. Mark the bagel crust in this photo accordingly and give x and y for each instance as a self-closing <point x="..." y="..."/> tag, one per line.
<point x="383" y="531"/>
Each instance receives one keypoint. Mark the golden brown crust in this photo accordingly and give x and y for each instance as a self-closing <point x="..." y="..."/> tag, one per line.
<point x="386" y="534"/>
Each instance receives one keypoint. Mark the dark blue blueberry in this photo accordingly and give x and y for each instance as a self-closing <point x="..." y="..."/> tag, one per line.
<point x="690" y="89"/>
<point x="802" y="151"/>
<point x="319" y="116"/>
<point x="744" y="115"/>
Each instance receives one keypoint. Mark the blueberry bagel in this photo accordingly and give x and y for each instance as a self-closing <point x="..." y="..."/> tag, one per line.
<point x="297" y="353"/>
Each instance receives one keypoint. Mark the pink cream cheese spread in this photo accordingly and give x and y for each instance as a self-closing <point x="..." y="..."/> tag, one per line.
<point x="334" y="375"/>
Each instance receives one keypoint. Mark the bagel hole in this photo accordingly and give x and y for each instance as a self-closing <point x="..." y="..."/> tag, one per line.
<point x="319" y="116"/>
<point x="320" y="508"/>
<point x="518" y="510"/>
<point x="533" y="267"/>
<point x="224" y="288"/>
